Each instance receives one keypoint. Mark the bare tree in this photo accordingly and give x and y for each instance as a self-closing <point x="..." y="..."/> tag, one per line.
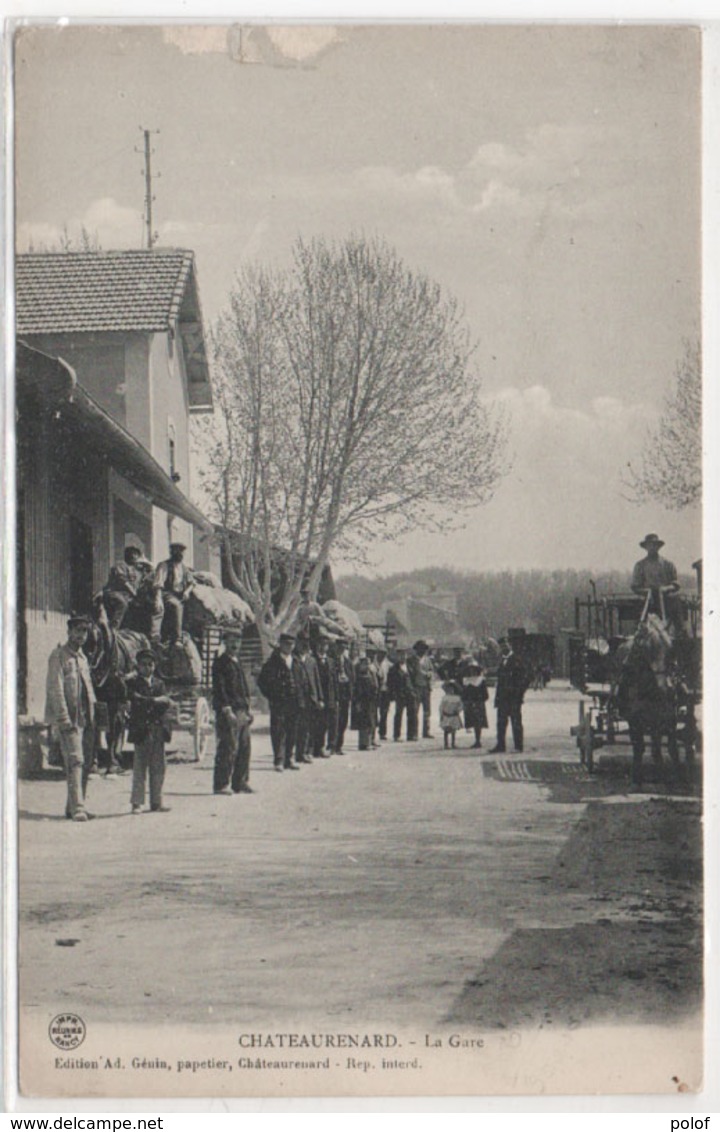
<point x="347" y="409"/>
<point x="84" y="241"/>
<point x="670" y="467"/>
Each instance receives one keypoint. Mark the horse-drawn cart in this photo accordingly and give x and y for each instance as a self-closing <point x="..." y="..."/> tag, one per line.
<point x="192" y="702"/>
<point x="636" y="670"/>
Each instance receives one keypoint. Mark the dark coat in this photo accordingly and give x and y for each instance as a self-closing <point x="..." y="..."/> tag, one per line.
<point x="474" y="699"/>
<point x="302" y="681"/>
<point x="512" y="682"/>
<point x="328" y="680"/>
<point x="364" y="702"/>
<point x="346" y="669"/>
<point x="230" y="688"/>
<point x="401" y="687"/>
<point x="277" y="682"/>
<point x="316" y="691"/>
<point x="148" y="705"/>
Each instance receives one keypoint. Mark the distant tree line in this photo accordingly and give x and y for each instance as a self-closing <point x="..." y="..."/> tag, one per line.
<point x="491" y="602"/>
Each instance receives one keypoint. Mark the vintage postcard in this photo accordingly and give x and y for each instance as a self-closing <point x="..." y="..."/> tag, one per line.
<point x="359" y="572"/>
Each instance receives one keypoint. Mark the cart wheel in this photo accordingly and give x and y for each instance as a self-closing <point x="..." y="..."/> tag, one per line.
<point x="202" y="728"/>
<point x="585" y="737"/>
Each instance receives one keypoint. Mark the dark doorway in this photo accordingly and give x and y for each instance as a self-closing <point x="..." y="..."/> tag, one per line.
<point x="81" y="566"/>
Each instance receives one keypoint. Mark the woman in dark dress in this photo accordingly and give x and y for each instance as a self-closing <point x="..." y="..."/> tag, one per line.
<point x="474" y="695"/>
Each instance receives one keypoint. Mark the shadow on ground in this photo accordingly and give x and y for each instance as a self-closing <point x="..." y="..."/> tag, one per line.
<point x="569" y="782"/>
<point x="633" y="948"/>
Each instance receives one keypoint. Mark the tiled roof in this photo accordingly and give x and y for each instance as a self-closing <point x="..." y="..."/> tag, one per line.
<point x="59" y="292"/>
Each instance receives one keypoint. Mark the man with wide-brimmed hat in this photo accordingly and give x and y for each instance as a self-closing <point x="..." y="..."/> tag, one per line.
<point x="655" y="579"/>
<point x="278" y="682"/>
<point x="231" y="703"/>
<point x="173" y="584"/>
<point x="70" y="712"/>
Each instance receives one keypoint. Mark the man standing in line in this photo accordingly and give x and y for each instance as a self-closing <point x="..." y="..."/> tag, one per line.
<point x="421" y="669"/>
<point x="309" y="699"/>
<point x="382" y="665"/>
<point x="70" y="711"/>
<point x="346" y="680"/>
<point x="326" y="716"/>
<point x="278" y="683"/>
<point x="231" y="702"/>
<point x="402" y="690"/>
<point x="173" y="585"/>
<point x="512" y="683"/>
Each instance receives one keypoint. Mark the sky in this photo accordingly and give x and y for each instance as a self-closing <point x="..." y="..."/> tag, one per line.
<point x="547" y="176"/>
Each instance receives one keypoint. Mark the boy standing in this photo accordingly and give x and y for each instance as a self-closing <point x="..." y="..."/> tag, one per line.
<point x="147" y="730"/>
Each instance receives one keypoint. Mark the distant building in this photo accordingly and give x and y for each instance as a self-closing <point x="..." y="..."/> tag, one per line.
<point x="411" y="615"/>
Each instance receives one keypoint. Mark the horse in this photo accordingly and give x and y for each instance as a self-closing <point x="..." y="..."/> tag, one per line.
<point x="648" y="691"/>
<point x="111" y="655"/>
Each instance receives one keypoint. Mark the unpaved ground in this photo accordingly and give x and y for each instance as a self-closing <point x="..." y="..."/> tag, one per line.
<point x="408" y="885"/>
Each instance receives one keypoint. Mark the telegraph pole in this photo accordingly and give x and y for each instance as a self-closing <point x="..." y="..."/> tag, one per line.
<point x="150" y="234"/>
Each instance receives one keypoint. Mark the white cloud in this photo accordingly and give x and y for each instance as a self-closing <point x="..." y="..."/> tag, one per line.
<point x="114" y="225"/>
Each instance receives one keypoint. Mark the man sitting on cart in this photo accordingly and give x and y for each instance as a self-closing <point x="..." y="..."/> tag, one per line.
<point x="121" y="588"/>
<point x="655" y="580"/>
<point x="173" y="584"/>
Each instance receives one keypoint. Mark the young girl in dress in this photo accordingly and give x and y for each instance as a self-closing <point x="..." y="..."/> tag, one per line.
<point x="451" y="706"/>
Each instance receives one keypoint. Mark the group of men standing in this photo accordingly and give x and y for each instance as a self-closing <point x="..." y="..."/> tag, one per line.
<point x="316" y="694"/>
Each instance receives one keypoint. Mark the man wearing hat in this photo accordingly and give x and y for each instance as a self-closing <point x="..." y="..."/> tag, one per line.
<point x="70" y="712"/>
<point x="421" y="669"/>
<point x="122" y="585"/>
<point x="231" y="702"/>
<point x="382" y="667"/>
<point x="148" y="730"/>
<point x="310" y="699"/>
<point x="401" y="689"/>
<point x="657" y="577"/>
<point x="512" y="684"/>
<point x="172" y="587"/>
<point x="325" y="726"/>
<point x="278" y="682"/>
<point x="346" y="682"/>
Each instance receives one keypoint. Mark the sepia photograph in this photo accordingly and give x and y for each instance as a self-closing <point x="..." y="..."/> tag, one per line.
<point x="359" y="562"/>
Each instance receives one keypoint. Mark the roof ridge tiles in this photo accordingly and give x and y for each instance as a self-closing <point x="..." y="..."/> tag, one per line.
<point x="132" y="289"/>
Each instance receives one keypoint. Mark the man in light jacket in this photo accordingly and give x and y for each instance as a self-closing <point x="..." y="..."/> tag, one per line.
<point x="70" y="712"/>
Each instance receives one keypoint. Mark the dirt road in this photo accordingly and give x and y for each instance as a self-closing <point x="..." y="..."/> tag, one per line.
<point x="428" y="886"/>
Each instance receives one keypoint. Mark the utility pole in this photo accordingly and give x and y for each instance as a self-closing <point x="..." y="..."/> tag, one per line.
<point x="150" y="234"/>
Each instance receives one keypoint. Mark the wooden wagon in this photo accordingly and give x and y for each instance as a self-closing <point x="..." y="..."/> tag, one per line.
<point x="602" y="625"/>
<point x="192" y="704"/>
